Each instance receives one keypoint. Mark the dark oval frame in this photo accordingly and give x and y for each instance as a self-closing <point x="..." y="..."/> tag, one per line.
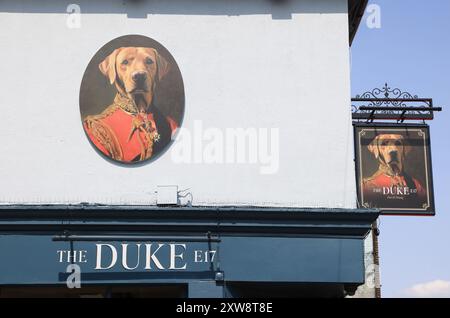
<point x="96" y="93"/>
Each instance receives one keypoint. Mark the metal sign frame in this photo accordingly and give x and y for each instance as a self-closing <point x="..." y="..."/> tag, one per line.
<point x="392" y="104"/>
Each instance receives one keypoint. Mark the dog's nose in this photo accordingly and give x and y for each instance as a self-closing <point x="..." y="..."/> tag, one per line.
<point x="139" y="76"/>
<point x="393" y="154"/>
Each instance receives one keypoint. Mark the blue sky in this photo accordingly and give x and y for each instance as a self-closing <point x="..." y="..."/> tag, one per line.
<point x="411" y="51"/>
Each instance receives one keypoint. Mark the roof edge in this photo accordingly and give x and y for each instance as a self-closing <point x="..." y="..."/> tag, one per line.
<point x="356" y="9"/>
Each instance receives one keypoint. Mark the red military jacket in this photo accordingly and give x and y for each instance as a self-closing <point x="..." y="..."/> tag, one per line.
<point x="124" y="134"/>
<point x="383" y="184"/>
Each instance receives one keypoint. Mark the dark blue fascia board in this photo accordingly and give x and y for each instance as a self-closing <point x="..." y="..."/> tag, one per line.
<point x="186" y="220"/>
<point x="254" y="244"/>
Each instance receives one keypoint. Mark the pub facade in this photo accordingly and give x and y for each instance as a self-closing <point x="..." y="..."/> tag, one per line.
<point x="176" y="148"/>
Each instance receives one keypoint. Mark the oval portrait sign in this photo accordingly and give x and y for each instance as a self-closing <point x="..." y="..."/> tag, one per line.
<point x="132" y="99"/>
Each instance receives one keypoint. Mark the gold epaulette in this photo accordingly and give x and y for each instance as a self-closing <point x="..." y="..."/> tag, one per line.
<point x="104" y="134"/>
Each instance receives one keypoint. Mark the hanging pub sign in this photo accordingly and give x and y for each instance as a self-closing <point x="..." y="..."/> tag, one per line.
<point x="393" y="166"/>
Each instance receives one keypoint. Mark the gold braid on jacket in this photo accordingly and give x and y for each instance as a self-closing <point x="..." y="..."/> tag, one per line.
<point x="106" y="136"/>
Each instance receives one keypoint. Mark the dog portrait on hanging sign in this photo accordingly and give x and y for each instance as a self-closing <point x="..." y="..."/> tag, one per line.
<point x="394" y="169"/>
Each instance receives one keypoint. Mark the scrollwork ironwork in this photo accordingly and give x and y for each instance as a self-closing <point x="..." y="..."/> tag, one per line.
<point x="391" y="104"/>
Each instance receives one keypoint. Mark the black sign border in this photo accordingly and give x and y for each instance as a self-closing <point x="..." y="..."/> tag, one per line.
<point x="431" y="211"/>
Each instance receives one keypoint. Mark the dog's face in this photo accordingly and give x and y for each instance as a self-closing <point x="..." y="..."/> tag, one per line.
<point x="391" y="151"/>
<point x="135" y="71"/>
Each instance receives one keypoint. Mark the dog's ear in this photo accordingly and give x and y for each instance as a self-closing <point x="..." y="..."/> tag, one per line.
<point x="108" y="66"/>
<point x="163" y="66"/>
<point x="373" y="147"/>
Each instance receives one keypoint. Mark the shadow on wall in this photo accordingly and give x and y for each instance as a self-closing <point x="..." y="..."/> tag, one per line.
<point x="279" y="9"/>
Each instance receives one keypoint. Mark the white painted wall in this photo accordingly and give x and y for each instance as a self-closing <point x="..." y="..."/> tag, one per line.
<point x="244" y="64"/>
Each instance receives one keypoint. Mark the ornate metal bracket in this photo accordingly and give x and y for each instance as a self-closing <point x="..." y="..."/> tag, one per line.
<point x="392" y="104"/>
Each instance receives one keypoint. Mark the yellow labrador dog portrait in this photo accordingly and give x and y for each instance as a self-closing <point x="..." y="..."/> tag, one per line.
<point x="391" y="152"/>
<point x="131" y="128"/>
